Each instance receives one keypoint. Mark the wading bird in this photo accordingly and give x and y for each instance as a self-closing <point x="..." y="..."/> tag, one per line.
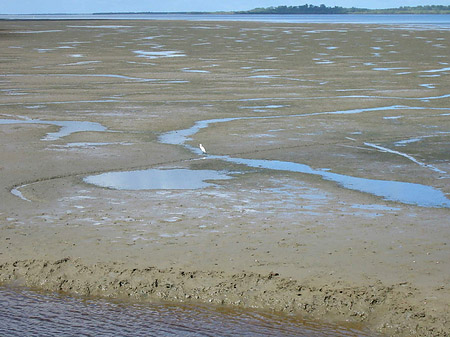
<point x="202" y="148"/>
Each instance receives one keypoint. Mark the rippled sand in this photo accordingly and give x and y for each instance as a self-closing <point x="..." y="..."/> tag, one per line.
<point x="287" y="241"/>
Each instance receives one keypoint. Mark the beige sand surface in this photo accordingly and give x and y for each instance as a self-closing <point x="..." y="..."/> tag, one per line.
<point x="269" y="239"/>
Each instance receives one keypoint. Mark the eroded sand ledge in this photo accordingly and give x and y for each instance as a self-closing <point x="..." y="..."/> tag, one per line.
<point x="266" y="239"/>
<point x="393" y="310"/>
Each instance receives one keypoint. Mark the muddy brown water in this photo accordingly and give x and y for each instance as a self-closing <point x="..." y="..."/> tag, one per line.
<point x="28" y="313"/>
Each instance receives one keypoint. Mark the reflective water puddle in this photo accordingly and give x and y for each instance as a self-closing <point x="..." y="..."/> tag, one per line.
<point x="407" y="193"/>
<point x="66" y="127"/>
<point x="159" y="54"/>
<point x="157" y="179"/>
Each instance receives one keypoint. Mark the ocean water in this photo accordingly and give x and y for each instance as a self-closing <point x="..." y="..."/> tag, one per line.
<point x="28" y="313"/>
<point x="390" y="19"/>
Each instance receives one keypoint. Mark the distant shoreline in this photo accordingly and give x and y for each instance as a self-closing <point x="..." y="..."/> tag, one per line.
<point x="247" y="13"/>
<point x="322" y="9"/>
<point x="288" y="10"/>
<point x="366" y="12"/>
<point x="437" y="20"/>
<point x="367" y="18"/>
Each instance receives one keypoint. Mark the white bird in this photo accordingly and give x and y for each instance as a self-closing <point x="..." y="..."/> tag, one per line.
<point x="202" y="148"/>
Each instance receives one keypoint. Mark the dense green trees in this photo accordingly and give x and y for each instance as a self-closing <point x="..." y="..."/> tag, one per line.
<point x="305" y="9"/>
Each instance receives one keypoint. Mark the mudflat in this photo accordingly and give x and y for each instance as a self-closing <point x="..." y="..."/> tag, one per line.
<point x="81" y="98"/>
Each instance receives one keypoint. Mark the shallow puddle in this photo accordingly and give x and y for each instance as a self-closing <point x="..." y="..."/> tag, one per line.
<point x="159" y="54"/>
<point x="407" y="193"/>
<point x="66" y="127"/>
<point x="28" y="313"/>
<point x="156" y="179"/>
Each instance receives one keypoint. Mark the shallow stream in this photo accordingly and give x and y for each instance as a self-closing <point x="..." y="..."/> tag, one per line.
<point x="27" y="313"/>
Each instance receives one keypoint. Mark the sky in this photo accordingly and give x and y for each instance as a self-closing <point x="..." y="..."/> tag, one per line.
<point x="91" y="6"/>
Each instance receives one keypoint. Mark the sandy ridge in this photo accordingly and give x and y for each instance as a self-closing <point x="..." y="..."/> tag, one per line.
<point x="339" y="301"/>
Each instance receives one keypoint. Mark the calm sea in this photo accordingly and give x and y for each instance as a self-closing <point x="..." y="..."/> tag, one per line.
<point x="391" y="19"/>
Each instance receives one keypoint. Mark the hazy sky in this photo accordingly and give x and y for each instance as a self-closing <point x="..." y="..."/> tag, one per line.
<point x="90" y="6"/>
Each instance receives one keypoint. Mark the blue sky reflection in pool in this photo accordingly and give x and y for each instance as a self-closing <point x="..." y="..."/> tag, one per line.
<point x="155" y="179"/>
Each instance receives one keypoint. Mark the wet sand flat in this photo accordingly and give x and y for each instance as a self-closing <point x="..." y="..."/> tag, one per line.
<point x="366" y="101"/>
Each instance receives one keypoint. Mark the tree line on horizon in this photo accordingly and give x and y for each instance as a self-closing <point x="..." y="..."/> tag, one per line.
<point x="322" y="9"/>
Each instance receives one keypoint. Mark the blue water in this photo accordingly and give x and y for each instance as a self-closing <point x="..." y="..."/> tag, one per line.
<point x="404" y="192"/>
<point x="151" y="179"/>
<point x="179" y="137"/>
<point x="442" y="21"/>
<point x="407" y="193"/>
<point x="66" y="127"/>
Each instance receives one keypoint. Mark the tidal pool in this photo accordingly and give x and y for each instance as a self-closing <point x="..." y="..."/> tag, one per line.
<point x="66" y="127"/>
<point x="158" y="54"/>
<point x="407" y="193"/>
<point x="157" y="179"/>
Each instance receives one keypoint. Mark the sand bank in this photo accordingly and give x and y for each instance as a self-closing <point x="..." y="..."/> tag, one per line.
<point x="271" y="239"/>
